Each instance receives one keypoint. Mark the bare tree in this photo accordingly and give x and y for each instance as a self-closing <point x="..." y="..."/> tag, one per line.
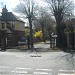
<point x="42" y="21"/>
<point x="26" y="8"/>
<point x="36" y="25"/>
<point x="45" y="23"/>
<point x="60" y="8"/>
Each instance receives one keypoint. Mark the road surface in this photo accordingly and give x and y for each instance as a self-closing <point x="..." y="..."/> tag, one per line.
<point x="37" y="63"/>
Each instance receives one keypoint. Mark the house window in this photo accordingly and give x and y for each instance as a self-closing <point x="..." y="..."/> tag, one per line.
<point x="3" y="25"/>
<point x="13" y="24"/>
<point x="8" y="24"/>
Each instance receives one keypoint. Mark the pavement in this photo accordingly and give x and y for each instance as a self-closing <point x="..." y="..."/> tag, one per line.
<point x="38" y="47"/>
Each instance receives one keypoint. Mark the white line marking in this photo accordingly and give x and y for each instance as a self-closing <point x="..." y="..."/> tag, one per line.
<point x="12" y="71"/>
<point x="21" y="72"/>
<point x="23" y="68"/>
<point x="4" y="67"/>
<point x="40" y="73"/>
<point x="67" y="70"/>
<point x="45" y="69"/>
<point x="66" y="74"/>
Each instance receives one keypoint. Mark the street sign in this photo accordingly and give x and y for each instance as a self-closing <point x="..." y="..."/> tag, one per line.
<point x="54" y="35"/>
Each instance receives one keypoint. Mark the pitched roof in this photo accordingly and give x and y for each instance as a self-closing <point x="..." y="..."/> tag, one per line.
<point x="9" y="16"/>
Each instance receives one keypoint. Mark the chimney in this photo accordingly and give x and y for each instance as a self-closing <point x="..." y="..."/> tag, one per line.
<point x="4" y="9"/>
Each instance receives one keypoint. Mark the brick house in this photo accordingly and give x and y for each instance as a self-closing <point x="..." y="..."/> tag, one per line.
<point x="11" y="27"/>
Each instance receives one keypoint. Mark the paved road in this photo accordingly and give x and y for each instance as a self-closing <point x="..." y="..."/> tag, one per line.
<point x="36" y="63"/>
<point x="42" y="45"/>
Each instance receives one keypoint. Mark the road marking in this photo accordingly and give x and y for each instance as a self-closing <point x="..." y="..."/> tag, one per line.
<point x="65" y="74"/>
<point x="4" y="67"/>
<point x="45" y="69"/>
<point x="23" y="68"/>
<point x="12" y="71"/>
<point x="41" y="73"/>
<point x="19" y="72"/>
<point x="67" y="70"/>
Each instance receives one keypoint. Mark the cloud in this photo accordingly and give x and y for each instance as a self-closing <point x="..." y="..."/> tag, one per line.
<point x="9" y="3"/>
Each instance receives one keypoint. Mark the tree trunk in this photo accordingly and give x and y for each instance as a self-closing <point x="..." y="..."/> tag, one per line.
<point x="31" y="32"/>
<point x="58" y="40"/>
<point x="43" y="33"/>
<point x="50" y="38"/>
<point x="61" y="38"/>
<point x="58" y="18"/>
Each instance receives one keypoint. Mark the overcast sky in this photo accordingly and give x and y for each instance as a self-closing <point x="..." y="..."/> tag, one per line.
<point x="11" y="3"/>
